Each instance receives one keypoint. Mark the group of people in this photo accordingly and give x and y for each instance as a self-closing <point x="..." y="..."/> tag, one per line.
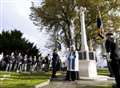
<point x="24" y="63"/>
<point x="72" y="63"/>
<point x="20" y="63"/>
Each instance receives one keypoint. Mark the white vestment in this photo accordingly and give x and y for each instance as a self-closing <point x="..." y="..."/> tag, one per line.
<point x="70" y="61"/>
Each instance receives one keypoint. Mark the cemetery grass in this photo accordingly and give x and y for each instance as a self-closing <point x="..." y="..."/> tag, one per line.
<point x="103" y="71"/>
<point x="22" y="80"/>
<point x="28" y="80"/>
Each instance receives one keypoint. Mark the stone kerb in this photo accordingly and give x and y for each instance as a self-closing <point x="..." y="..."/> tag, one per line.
<point x="42" y="85"/>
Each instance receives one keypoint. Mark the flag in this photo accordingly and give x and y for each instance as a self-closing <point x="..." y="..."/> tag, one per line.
<point x="100" y="28"/>
<point x="58" y="45"/>
<point x="99" y="22"/>
<point x="100" y="31"/>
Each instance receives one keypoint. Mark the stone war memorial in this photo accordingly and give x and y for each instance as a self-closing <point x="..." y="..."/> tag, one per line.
<point x="87" y="63"/>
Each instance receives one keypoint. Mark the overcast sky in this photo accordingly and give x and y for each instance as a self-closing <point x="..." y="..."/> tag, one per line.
<point x="14" y="14"/>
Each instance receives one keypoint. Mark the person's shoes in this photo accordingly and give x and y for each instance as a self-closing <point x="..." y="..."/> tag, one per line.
<point x="111" y="75"/>
<point x="53" y="76"/>
<point x="68" y="80"/>
<point x="114" y="86"/>
<point x="73" y="79"/>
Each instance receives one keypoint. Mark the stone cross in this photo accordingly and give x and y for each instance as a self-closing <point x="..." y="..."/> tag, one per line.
<point x="84" y="46"/>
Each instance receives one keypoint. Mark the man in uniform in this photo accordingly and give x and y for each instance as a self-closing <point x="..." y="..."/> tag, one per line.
<point x="111" y="48"/>
<point x="55" y="60"/>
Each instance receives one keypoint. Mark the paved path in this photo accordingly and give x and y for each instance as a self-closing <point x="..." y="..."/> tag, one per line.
<point x="78" y="84"/>
<point x="84" y="82"/>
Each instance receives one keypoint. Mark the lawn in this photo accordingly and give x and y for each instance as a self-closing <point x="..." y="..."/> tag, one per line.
<point x="103" y="71"/>
<point x="28" y="80"/>
<point x="22" y="80"/>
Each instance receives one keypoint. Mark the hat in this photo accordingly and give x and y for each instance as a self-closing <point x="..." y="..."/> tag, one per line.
<point x="109" y="34"/>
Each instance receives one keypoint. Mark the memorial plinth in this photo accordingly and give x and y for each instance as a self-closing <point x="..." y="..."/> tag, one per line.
<point x="87" y="68"/>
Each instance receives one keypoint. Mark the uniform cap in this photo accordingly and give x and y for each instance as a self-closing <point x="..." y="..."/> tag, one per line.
<point x="109" y="34"/>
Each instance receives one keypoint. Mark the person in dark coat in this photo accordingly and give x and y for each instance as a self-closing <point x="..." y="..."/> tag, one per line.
<point x="111" y="48"/>
<point x="47" y="62"/>
<point x="29" y="64"/>
<point x="55" y="60"/>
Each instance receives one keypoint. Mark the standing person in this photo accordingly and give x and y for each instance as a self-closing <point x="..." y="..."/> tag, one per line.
<point x="40" y="63"/>
<point x="47" y="62"/>
<point x="55" y="60"/>
<point x="2" y="62"/>
<point x="20" y="61"/>
<point x="7" y="60"/>
<point x="34" y="63"/>
<point x="16" y="62"/>
<point x="12" y="61"/>
<point x="30" y="63"/>
<point x="111" y="48"/>
<point x="72" y="65"/>
<point x="25" y="63"/>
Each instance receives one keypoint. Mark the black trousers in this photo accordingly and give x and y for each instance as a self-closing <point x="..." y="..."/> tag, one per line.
<point x="54" y="70"/>
<point x="110" y="69"/>
<point x="72" y="75"/>
<point x="116" y="70"/>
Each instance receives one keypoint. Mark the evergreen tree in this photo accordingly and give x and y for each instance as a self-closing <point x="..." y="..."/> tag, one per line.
<point x="12" y="41"/>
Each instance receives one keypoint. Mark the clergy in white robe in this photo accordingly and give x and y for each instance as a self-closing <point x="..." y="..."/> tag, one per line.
<point x="72" y="65"/>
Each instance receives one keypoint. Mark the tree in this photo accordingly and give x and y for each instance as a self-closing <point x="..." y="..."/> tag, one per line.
<point x="60" y="15"/>
<point x="12" y="41"/>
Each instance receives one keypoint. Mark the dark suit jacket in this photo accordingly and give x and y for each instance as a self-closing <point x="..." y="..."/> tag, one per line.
<point x="110" y="46"/>
<point x="55" y="60"/>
